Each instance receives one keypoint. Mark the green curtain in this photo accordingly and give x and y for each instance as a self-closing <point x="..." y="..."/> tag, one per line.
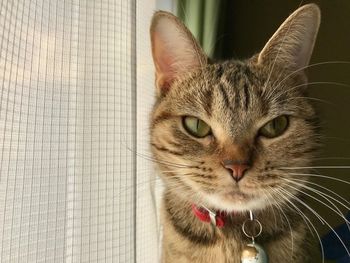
<point x="207" y="20"/>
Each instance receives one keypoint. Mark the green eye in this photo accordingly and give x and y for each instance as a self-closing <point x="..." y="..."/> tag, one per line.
<point x="274" y="128"/>
<point x="196" y="127"/>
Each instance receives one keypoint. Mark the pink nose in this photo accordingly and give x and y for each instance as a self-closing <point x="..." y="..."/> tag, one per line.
<point x="236" y="168"/>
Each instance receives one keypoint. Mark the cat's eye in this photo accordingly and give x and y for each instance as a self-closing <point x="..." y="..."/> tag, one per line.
<point x="275" y="127"/>
<point x="196" y="127"/>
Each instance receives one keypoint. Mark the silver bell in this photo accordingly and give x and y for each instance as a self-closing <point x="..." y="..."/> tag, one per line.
<point x="253" y="253"/>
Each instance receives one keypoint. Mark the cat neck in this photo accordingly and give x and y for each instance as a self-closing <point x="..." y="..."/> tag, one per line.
<point x="179" y="213"/>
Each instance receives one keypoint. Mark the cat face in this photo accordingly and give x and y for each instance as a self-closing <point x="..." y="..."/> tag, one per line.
<point x="222" y="133"/>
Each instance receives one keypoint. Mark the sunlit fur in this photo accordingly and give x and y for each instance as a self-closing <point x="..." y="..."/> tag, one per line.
<point x="235" y="98"/>
<point x="234" y="101"/>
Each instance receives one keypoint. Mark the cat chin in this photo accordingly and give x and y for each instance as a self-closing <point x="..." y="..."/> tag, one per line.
<point x="235" y="203"/>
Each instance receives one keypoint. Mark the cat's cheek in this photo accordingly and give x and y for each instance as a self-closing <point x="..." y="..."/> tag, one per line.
<point x="160" y="133"/>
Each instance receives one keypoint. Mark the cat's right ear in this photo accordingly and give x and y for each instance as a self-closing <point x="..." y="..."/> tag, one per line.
<point x="175" y="51"/>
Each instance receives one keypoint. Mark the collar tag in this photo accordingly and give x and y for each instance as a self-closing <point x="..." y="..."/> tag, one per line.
<point x="212" y="216"/>
<point x="206" y="215"/>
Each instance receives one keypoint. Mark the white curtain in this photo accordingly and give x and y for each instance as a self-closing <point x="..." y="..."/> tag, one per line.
<point x="76" y="82"/>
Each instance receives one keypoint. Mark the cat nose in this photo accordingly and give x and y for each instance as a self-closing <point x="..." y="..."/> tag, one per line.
<point x="237" y="168"/>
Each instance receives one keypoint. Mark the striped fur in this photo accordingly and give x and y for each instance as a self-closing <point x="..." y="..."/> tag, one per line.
<point x="236" y="98"/>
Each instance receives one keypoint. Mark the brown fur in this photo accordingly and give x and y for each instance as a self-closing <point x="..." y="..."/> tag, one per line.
<point x="236" y="98"/>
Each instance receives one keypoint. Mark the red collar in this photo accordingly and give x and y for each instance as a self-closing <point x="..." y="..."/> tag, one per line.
<point x="206" y="215"/>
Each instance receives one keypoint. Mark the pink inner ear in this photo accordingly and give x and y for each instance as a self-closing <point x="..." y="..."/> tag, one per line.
<point x="164" y="62"/>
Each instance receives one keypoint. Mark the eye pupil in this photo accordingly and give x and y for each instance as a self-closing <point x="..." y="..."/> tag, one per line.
<point x="274" y="123"/>
<point x="196" y="127"/>
<point x="275" y="128"/>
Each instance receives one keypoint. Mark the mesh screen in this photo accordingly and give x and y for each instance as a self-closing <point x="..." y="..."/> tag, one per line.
<point x="71" y="182"/>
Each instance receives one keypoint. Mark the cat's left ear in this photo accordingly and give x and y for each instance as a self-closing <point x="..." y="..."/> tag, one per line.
<point x="175" y="51"/>
<point x="292" y="44"/>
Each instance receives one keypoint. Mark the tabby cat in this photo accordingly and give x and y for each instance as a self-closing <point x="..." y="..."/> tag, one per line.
<point x="224" y="135"/>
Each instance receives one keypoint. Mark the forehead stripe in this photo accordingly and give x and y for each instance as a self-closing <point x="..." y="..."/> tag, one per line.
<point x="246" y="96"/>
<point x="225" y="98"/>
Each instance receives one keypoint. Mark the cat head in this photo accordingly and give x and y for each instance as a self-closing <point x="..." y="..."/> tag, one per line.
<point x="223" y="133"/>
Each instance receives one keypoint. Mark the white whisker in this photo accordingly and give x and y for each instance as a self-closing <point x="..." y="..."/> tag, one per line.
<point x="285" y="216"/>
<point x="285" y="91"/>
<point x="325" y="196"/>
<point x="270" y="204"/>
<point x="304" y="217"/>
<point x="321" y="176"/>
<point x="317" y="167"/>
<point x="322" y="187"/>
<point x="311" y="196"/>
<point x="308" y="98"/>
<point x="322" y="220"/>
<point x="313" y="65"/>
